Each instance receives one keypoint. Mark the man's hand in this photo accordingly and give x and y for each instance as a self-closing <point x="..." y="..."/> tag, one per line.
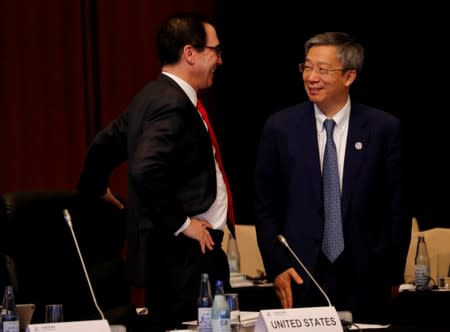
<point x="110" y="198"/>
<point x="198" y="230"/>
<point x="283" y="289"/>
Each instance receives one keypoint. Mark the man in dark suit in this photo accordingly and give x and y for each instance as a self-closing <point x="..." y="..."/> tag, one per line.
<point x="374" y="215"/>
<point x="178" y="202"/>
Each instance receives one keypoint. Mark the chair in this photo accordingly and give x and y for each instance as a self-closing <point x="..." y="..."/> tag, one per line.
<point x="251" y="260"/>
<point x="437" y="240"/>
<point x="48" y="268"/>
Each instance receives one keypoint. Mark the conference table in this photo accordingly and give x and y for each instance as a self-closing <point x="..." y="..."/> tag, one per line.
<point x="426" y="308"/>
<point x="413" y="311"/>
<point x="387" y="329"/>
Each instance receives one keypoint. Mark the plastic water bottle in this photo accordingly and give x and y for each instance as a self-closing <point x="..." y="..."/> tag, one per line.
<point x="233" y="256"/>
<point x="9" y="315"/>
<point x="422" y="265"/>
<point x="204" y="305"/>
<point x="220" y="314"/>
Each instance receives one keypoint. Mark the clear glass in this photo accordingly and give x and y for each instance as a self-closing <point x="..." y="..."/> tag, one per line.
<point x="443" y="270"/>
<point x="54" y="313"/>
<point x="235" y="312"/>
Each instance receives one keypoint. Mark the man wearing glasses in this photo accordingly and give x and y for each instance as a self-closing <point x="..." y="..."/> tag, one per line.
<point x="334" y="189"/>
<point x="177" y="195"/>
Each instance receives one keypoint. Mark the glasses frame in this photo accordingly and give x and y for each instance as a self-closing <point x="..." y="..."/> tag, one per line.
<point x="217" y="49"/>
<point x="306" y="69"/>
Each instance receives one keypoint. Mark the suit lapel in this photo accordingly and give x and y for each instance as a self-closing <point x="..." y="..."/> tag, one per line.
<point x="357" y="144"/>
<point x="192" y="109"/>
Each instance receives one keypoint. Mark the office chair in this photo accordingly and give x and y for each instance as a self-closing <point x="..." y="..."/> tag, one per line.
<point x="36" y="236"/>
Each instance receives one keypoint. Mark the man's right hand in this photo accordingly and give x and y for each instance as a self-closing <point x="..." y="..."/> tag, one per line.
<point x="198" y="230"/>
<point x="283" y="289"/>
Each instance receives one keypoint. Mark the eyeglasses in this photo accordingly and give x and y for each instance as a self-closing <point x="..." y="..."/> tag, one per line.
<point x="218" y="49"/>
<point x="305" y="69"/>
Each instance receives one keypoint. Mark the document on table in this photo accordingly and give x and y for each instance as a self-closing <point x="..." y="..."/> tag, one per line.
<point x="248" y="318"/>
<point x="357" y="327"/>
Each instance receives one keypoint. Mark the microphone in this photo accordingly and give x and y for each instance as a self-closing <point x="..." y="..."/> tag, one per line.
<point x="344" y="316"/>
<point x="68" y="219"/>
<point x="282" y="239"/>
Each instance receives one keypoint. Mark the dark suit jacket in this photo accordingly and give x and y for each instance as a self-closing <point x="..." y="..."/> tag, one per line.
<point x="171" y="169"/>
<point x="376" y="220"/>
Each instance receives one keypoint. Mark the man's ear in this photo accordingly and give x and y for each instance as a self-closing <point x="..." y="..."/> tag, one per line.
<point x="350" y="76"/>
<point x="189" y="53"/>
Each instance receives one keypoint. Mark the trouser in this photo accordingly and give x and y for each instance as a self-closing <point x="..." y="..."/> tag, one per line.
<point x="172" y="295"/>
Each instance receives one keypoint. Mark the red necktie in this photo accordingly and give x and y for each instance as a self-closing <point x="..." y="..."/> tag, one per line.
<point x="204" y="115"/>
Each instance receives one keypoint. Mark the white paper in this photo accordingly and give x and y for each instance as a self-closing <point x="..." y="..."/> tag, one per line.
<point x="312" y="319"/>
<point x="100" y="325"/>
<point x="248" y="318"/>
<point x="357" y="326"/>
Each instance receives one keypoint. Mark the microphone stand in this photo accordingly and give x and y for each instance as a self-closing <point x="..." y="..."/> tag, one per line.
<point x="68" y="219"/>
<point x="344" y="316"/>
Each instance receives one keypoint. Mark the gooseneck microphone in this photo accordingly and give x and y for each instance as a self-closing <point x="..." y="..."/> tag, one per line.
<point x="68" y="219"/>
<point x="345" y="317"/>
<point x="283" y="240"/>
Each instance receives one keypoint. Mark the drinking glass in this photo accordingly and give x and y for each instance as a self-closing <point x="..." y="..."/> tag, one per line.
<point x="443" y="270"/>
<point x="233" y="303"/>
<point x="54" y="313"/>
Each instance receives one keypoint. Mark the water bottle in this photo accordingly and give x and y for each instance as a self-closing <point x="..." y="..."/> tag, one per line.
<point x="204" y="305"/>
<point x="233" y="255"/>
<point x="220" y="313"/>
<point x="422" y="265"/>
<point x="9" y="315"/>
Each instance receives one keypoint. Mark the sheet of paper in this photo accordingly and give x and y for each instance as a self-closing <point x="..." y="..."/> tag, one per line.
<point x="368" y="326"/>
<point x="248" y="318"/>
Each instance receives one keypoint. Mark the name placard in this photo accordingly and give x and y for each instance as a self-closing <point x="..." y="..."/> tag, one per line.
<point x="312" y="319"/>
<point x="100" y="325"/>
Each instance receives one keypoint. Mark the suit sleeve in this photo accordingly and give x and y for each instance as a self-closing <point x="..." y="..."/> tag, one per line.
<point x="268" y="204"/>
<point x="397" y="171"/>
<point x="107" y="151"/>
<point x="154" y="168"/>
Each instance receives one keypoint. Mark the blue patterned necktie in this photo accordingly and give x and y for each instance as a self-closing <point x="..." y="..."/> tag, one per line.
<point x="333" y="238"/>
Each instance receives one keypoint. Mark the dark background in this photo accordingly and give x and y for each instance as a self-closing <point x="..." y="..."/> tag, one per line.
<point x="405" y="73"/>
<point x="69" y="67"/>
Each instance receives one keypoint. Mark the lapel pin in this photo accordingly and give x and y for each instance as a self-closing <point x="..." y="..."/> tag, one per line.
<point x="358" y="145"/>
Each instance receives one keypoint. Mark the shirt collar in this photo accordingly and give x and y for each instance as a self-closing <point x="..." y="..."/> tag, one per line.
<point x="189" y="90"/>
<point x="341" y="117"/>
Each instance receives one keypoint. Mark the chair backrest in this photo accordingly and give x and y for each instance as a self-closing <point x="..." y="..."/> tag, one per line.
<point x="437" y="240"/>
<point x="251" y="260"/>
<point x="35" y="235"/>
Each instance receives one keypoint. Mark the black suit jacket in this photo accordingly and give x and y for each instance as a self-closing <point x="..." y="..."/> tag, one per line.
<point x="376" y="216"/>
<point x="171" y="170"/>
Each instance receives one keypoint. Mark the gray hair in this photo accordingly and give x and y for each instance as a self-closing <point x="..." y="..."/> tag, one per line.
<point x="350" y="53"/>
